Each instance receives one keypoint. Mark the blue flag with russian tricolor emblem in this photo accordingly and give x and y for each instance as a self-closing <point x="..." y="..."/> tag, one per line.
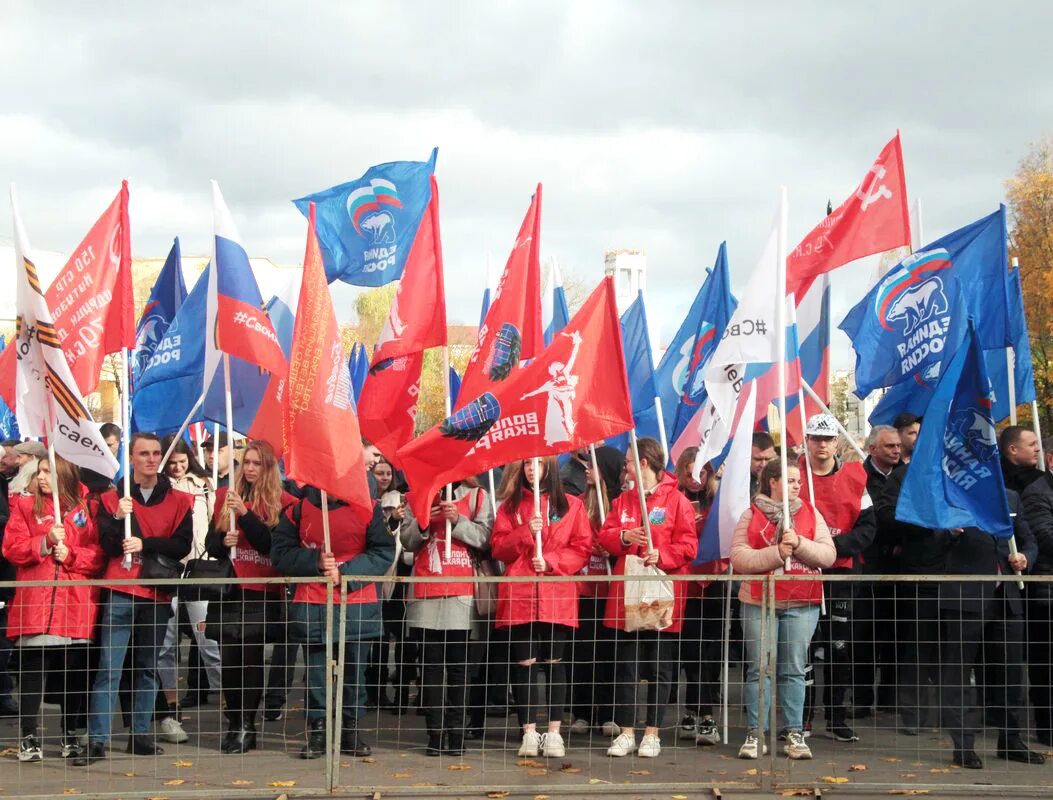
<point x="366" y="227"/>
<point x="166" y="298"/>
<point x="955" y="478"/>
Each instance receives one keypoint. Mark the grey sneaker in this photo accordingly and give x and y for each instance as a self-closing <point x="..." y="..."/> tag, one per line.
<point x="29" y="749"/>
<point x="753" y="747"/>
<point x="796" y="747"/>
<point x="707" y="733"/>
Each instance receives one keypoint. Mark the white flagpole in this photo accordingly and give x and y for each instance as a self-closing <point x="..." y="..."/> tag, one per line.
<point x="780" y="285"/>
<point x="326" y="543"/>
<point x="727" y="652"/>
<point x="126" y="434"/>
<point x="215" y="456"/>
<point x="840" y="427"/>
<point x="598" y="480"/>
<point x="1010" y="371"/>
<point x="179" y="434"/>
<point x="448" y="546"/>
<point x="493" y="490"/>
<point x="661" y="428"/>
<point x="230" y="447"/>
<point x="640" y="491"/>
<point x="800" y="405"/>
<point x="537" y="501"/>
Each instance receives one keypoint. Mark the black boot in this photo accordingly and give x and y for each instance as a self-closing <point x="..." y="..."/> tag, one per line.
<point x="139" y="744"/>
<point x="434" y="747"/>
<point x="315" y="747"/>
<point x="233" y="727"/>
<point x="1012" y="748"/>
<point x="96" y="752"/>
<point x="352" y="744"/>
<point x="454" y="744"/>
<point x="244" y="739"/>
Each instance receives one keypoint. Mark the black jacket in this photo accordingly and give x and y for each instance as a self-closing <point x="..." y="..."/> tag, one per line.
<point x="1018" y="476"/>
<point x="879" y="559"/>
<point x="921" y="552"/>
<point x="1038" y="508"/>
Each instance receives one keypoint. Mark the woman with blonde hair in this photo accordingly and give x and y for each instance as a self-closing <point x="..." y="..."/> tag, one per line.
<point x="248" y="609"/>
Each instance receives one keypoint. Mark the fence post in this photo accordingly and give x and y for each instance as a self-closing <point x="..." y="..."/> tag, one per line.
<point x="769" y="651"/>
<point x="330" y="674"/>
<point x="338" y="676"/>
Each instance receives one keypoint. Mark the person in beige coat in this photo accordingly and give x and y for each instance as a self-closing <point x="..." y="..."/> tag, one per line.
<point x="764" y="545"/>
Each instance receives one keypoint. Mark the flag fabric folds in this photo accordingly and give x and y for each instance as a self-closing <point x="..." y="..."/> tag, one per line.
<point x="387" y="408"/>
<point x="813" y="339"/>
<point x="366" y="227"/>
<point x="955" y="477"/>
<point x="455" y="386"/>
<point x="874" y="218"/>
<point x="554" y="312"/>
<point x="572" y="394"/>
<point x="511" y="332"/>
<point x="166" y="298"/>
<point x="8" y="421"/>
<point x="639" y="371"/>
<point x="1023" y="367"/>
<point x="322" y="441"/>
<point x="916" y="315"/>
<point x="48" y="402"/>
<point x="358" y="364"/>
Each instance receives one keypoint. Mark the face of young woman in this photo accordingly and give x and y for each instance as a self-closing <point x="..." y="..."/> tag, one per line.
<point x="178" y="465"/>
<point x="252" y="466"/>
<point x="382" y="473"/>
<point x="528" y="471"/>
<point x="43" y="477"/>
<point x="793" y="485"/>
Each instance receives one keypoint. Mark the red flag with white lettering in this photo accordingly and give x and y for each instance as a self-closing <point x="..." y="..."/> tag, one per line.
<point x="323" y="447"/>
<point x="512" y="331"/>
<point x="90" y="301"/>
<point x="572" y="394"/>
<point x="874" y="218"/>
<point x="387" y="407"/>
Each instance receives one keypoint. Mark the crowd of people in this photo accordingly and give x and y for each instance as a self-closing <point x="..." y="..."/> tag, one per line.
<point x="933" y="653"/>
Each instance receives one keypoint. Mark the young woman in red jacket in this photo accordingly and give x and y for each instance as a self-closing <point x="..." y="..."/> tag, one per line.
<point x="540" y="615"/>
<point x="674" y="544"/>
<point x="243" y="616"/>
<point x="51" y="626"/>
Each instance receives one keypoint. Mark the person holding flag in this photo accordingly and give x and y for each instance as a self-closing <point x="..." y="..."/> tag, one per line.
<point x="667" y="540"/>
<point x="540" y="530"/>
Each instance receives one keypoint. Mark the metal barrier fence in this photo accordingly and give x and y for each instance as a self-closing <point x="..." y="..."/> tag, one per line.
<point x="889" y="658"/>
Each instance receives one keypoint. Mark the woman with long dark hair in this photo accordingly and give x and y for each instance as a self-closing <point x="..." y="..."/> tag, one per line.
<point x="540" y="615"/>
<point x="243" y="615"/>
<point x="51" y="626"/>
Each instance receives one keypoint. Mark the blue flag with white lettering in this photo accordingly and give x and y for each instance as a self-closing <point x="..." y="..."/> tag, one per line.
<point x="955" y="478"/>
<point x="366" y="227"/>
<point x="8" y="421"/>
<point x="639" y="368"/>
<point x="166" y="298"/>
<point x="916" y="315"/>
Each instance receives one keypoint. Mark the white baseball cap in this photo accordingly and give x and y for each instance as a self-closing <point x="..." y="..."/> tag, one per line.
<point x="821" y="425"/>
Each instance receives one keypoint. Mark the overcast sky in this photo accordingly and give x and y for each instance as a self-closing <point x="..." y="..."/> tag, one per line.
<point x="664" y="126"/>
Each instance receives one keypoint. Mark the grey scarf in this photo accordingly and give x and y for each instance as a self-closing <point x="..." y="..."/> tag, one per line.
<point x="772" y="509"/>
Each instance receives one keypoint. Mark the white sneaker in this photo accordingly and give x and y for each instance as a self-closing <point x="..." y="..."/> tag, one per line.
<point x="29" y="749"/>
<point x="172" y="731"/>
<point x="623" y="745"/>
<point x="707" y="733"/>
<point x="552" y="745"/>
<point x="753" y="747"/>
<point x="796" y="747"/>
<point x="610" y="729"/>
<point x="688" y="727"/>
<point x="531" y="744"/>
<point x="579" y="727"/>
<point x="650" y="746"/>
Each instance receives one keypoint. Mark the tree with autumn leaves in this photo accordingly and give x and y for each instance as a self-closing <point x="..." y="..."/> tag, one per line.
<point x="1030" y="200"/>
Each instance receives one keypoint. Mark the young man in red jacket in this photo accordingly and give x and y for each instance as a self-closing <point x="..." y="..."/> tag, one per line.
<point x="841" y="497"/>
<point x="162" y="523"/>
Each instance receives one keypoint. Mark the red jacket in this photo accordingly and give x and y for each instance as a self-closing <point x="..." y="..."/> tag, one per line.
<point x="58" y="610"/>
<point x="840" y="497"/>
<point x="672" y="533"/>
<point x="565" y="546"/>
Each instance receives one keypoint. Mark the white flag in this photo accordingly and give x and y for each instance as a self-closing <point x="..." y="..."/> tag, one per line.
<point x="733" y="496"/>
<point x="47" y="400"/>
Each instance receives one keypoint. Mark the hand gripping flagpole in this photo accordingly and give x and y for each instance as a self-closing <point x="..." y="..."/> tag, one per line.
<point x="448" y="545"/>
<point x="230" y="448"/>
<point x="125" y="436"/>
<point x="780" y="273"/>
<point x="641" y="491"/>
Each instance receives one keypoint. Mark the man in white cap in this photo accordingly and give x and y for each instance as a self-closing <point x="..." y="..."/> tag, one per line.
<point x="841" y="497"/>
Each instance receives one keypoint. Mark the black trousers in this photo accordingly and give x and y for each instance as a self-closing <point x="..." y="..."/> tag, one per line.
<point x="591" y="666"/>
<point x="444" y="679"/>
<point x="644" y="654"/>
<point x="996" y="637"/>
<point x="875" y="648"/>
<point x="836" y="635"/>
<point x="62" y="669"/>
<point x="701" y="641"/>
<point x="1040" y="656"/>
<point x="545" y="642"/>
<point x="918" y="636"/>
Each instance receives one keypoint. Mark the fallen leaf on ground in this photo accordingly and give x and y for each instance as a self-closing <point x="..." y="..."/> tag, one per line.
<point x="459" y="767"/>
<point x="401" y="775"/>
<point x="9" y="751"/>
<point x="175" y="782"/>
<point x="182" y="763"/>
<point x="537" y="772"/>
<point x="282" y="783"/>
<point x="240" y="782"/>
<point x="498" y="794"/>
<point x="751" y="771"/>
<point x="908" y="791"/>
<point x="857" y="768"/>
<point x="801" y="792"/>
<point x="129" y="774"/>
<point x="940" y="769"/>
<point x="639" y="772"/>
<point x="369" y="760"/>
<point x="907" y="775"/>
<point x="890" y="760"/>
<point x="832" y="779"/>
<point x="679" y="796"/>
<point x="528" y="762"/>
<point x="541" y="797"/>
<point x="569" y="769"/>
<point x="594" y="781"/>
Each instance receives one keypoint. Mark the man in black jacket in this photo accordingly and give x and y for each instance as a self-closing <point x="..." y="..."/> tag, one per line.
<point x="1038" y="508"/>
<point x="985" y="620"/>
<point x="1019" y="449"/>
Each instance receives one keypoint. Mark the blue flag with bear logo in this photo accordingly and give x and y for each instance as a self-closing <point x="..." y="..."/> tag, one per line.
<point x="955" y="477"/>
<point x="916" y="315"/>
<point x="366" y="227"/>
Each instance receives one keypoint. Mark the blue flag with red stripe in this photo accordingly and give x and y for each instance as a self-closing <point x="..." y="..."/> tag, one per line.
<point x="366" y="227"/>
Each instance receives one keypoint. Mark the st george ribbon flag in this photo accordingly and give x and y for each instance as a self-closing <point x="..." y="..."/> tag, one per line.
<point x="874" y="218"/>
<point x="48" y="402"/>
<point x="915" y="317"/>
<point x="90" y="301"/>
<point x="366" y="227"/>
<point x="639" y="367"/>
<point x="8" y="422"/>
<point x="572" y="394"/>
<point x="511" y="332"/>
<point x="166" y="298"/>
<point x="554" y="312"/>
<point x="955" y="476"/>
<point x="323" y="446"/>
<point x="387" y="409"/>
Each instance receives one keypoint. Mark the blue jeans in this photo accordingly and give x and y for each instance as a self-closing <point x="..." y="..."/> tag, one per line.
<point x="793" y="632"/>
<point x="356" y="656"/>
<point x="139" y="622"/>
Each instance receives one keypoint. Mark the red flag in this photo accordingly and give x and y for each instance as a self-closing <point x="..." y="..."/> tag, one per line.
<point x="90" y="301"/>
<point x="874" y="218"/>
<point x="323" y="446"/>
<point x="512" y="331"/>
<point x="572" y="394"/>
<point x="387" y="408"/>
